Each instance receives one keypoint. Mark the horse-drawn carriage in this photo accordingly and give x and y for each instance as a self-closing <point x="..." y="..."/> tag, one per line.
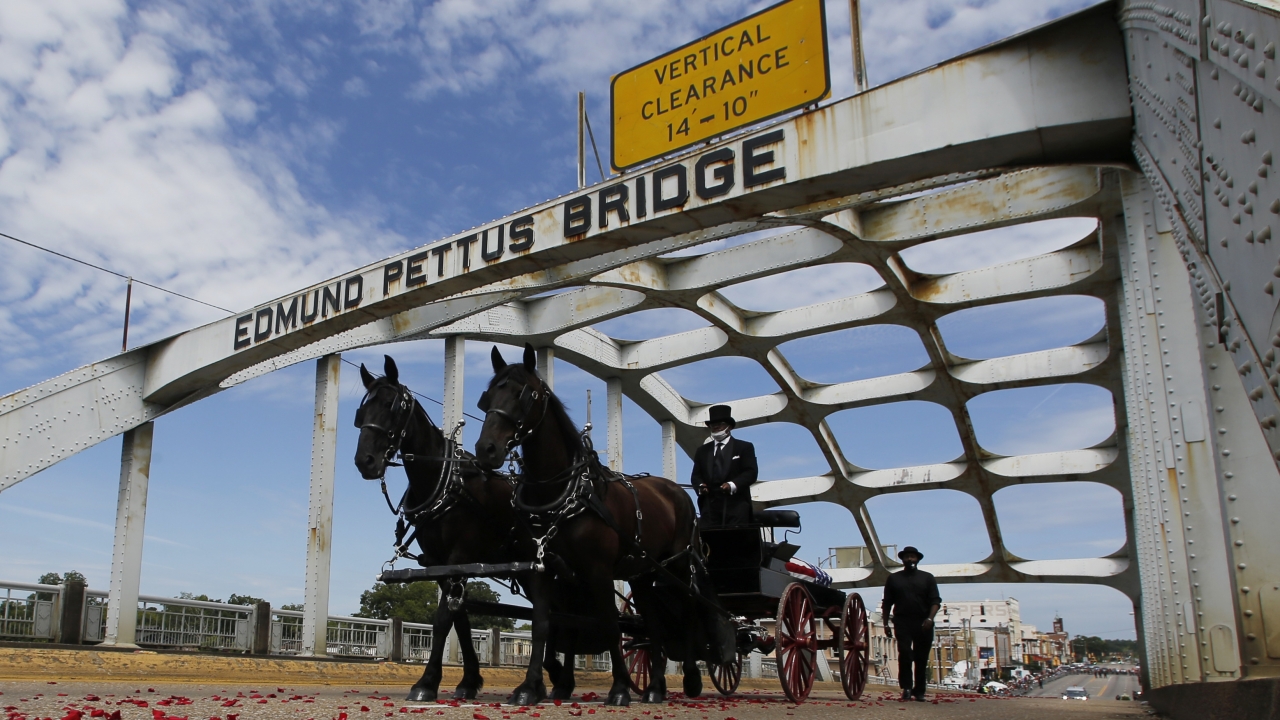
<point x="566" y="527"/>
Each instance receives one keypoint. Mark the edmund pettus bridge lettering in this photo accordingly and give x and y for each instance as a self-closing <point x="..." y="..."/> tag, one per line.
<point x="670" y="188"/>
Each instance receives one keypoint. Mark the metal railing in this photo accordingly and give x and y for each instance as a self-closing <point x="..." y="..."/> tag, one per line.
<point x="27" y="610"/>
<point x="515" y="648"/>
<point x="30" y="611"/>
<point x="194" y="624"/>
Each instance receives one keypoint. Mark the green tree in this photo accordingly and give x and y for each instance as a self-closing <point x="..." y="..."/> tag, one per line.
<point x="295" y="606"/>
<point x="481" y="591"/>
<point x="417" y="603"/>
<point x="54" y="578"/>
<point x="243" y="600"/>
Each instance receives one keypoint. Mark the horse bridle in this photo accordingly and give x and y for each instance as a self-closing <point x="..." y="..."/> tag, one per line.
<point x="527" y="397"/>
<point x="402" y="415"/>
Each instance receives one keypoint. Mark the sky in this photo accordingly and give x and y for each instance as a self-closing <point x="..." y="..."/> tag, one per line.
<point x="234" y="152"/>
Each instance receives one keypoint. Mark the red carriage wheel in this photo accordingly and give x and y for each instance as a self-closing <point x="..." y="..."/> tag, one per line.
<point x="726" y="677"/>
<point x="637" y="662"/>
<point x="797" y="643"/>
<point x="855" y="645"/>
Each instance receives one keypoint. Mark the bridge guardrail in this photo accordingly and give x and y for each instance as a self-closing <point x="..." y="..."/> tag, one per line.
<point x="31" y="611"/>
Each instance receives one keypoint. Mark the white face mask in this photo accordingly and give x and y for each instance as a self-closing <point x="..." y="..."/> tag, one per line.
<point x="720" y="436"/>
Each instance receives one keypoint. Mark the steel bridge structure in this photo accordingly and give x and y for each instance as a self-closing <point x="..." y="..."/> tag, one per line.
<point x="1156" y="119"/>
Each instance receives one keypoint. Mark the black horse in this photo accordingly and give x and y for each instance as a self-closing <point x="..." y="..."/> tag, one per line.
<point x="459" y="514"/>
<point x="592" y="526"/>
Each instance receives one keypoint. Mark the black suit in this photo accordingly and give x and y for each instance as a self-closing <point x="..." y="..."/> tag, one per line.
<point x="710" y="479"/>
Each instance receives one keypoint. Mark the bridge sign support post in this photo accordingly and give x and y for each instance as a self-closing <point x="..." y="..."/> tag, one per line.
<point x="126" y="555"/>
<point x="324" y="441"/>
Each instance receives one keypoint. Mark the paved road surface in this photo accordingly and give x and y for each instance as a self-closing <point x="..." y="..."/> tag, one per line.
<point x="1103" y="688"/>
<point x="173" y="701"/>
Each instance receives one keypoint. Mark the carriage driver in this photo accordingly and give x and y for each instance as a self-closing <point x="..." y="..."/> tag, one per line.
<point x="723" y="471"/>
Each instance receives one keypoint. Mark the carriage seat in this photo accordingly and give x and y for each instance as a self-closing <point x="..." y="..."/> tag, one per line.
<point x="778" y="518"/>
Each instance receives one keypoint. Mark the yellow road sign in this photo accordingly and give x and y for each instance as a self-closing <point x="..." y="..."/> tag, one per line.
<point x="766" y="64"/>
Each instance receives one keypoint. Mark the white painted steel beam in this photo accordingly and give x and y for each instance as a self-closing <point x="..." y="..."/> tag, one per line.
<point x="131" y="521"/>
<point x="324" y="443"/>
<point x="613" y="414"/>
<point x="547" y="365"/>
<point x="455" y="367"/>
<point x="669" y="449"/>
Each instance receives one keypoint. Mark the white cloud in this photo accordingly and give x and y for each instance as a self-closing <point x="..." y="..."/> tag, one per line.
<point x="117" y="156"/>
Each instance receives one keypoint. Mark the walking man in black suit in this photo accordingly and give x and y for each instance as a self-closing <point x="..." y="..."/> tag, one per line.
<point x="723" y="471"/>
<point x="911" y="598"/>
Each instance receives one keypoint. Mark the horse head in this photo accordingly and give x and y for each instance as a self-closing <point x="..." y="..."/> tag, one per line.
<point x="514" y="403"/>
<point x="385" y="417"/>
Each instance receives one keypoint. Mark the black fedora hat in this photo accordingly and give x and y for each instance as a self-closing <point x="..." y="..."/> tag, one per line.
<point x="721" y="414"/>
<point x="910" y="550"/>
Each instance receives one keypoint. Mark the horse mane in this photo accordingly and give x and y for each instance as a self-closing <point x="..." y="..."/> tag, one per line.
<point x="558" y="414"/>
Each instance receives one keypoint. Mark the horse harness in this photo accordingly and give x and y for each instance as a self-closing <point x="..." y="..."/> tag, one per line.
<point x="449" y="487"/>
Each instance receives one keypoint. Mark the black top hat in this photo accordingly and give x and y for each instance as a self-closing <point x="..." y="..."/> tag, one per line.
<point x="721" y="414"/>
<point x="910" y="550"/>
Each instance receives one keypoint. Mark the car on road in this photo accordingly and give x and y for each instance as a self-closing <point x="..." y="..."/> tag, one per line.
<point x="1075" y="692"/>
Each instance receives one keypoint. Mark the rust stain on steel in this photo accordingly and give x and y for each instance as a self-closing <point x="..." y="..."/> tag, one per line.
<point x="601" y="298"/>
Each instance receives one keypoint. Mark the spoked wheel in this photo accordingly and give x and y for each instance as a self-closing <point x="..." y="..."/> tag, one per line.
<point x="726" y="677"/>
<point x="637" y="661"/>
<point x="635" y="658"/>
<point x="855" y="644"/>
<point x="797" y="643"/>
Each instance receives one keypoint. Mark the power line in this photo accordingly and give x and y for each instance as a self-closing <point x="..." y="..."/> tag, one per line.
<point x="424" y="397"/>
<point x="113" y="272"/>
<point x="185" y="297"/>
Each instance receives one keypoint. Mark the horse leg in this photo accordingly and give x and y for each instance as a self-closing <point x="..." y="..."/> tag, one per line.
<point x="692" y="675"/>
<point x="426" y="689"/>
<point x="657" y="690"/>
<point x="604" y="610"/>
<point x="471" y="681"/>
<point x="563" y="683"/>
<point x="533" y="690"/>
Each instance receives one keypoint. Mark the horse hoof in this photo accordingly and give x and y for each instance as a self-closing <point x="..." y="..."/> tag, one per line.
<point x="464" y="693"/>
<point x="621" y="698"/>
<point x="562" y="693"/>
<point x="525" y="697"/>
<point x="692" y="686"/>
<point x="418" y="694"/>
<point x="652" y="696"/>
